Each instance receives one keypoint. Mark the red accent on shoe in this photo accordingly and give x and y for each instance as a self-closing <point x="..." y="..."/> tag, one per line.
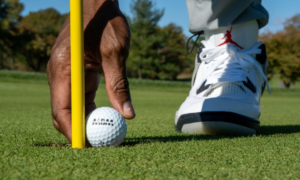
<point x="229" y="40"/>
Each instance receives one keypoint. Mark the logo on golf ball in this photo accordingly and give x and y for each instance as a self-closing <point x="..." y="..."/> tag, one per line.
<point x="106" y="122"/>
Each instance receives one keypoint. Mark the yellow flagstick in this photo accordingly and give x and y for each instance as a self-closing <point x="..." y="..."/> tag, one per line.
<point x="77" y="74"/>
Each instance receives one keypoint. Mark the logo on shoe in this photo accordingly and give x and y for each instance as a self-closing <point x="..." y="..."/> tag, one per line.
<point x="203" y="87"/>
<point x="229" y="39"/>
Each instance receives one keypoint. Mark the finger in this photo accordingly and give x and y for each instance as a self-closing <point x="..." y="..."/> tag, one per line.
<point x="92" y="79"/>
<point x="114" y="52"/>
<point x="61" y="98"/>
<point x="117" y="85"/>
<point x="60" y="89"/>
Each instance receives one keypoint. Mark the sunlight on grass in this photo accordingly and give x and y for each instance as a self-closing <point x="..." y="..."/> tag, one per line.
<point x="31" y="148"/>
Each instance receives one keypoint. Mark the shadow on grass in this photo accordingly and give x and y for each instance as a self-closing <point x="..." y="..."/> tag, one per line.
<point x="42" y="144"/>
<point x="285" y="129"/>
<point x="264" y="131"/>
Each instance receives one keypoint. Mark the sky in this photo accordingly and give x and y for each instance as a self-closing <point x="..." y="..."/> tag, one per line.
<point x="176" y="12"/>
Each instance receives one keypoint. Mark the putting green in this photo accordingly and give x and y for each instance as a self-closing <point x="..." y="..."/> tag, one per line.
<point x="31" y="148"/>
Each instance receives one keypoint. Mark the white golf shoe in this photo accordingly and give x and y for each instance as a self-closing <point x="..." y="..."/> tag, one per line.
<point x="228" y="81"/>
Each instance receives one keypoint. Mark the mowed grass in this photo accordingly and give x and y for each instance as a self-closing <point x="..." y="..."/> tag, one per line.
<point x="31" y="148"/>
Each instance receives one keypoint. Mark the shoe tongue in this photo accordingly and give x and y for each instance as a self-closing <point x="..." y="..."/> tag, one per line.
<point x="243" y="35"/>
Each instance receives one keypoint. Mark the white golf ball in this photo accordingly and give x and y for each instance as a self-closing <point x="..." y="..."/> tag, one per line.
<point x="105" y="126"/>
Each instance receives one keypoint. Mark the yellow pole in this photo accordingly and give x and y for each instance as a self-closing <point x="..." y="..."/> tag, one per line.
<point x="77" y="74"/>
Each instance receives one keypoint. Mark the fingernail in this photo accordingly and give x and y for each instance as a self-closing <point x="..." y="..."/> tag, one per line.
<point x="128" y="108"/>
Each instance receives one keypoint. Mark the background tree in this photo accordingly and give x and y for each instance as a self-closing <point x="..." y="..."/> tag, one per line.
<point x="283" y="50"/>
<point x="155" y="53"/>
<point x="145" y="39"/>
<point x="37" y="34"/>
<point x="9" y="17"/>
<point x="172" y="55"/>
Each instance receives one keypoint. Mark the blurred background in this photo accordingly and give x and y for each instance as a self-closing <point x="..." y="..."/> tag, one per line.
<point x="28" y="30"/>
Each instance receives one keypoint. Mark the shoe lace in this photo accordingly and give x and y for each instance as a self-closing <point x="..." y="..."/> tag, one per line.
<point x="228" y="63"/>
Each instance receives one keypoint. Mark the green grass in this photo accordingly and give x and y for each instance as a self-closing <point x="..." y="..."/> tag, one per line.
<point x="31" y="148"/>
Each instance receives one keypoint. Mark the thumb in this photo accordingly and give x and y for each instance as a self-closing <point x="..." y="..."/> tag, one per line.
<point x="117" y="87"/>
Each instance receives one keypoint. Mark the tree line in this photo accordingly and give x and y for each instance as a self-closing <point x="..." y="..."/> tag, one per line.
<point x="283" y="48"/>
<point x="156" y="52"/>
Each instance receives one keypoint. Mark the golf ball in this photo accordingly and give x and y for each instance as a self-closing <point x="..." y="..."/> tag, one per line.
<point x="105" y="126"/>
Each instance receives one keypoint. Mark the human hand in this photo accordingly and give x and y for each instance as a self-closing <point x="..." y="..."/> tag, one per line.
<point x="106" y="47"/>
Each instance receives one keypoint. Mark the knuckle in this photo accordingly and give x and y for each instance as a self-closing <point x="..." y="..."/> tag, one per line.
<point x="121" y="86"/>
<point x="117" y="42"/>
<point x="117" y="48"/>
<point x="58" y="64"/>
<point x="59" y="60"/>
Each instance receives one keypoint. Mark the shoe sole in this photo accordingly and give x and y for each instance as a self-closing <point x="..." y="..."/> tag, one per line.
<point x="217" y="123"/>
